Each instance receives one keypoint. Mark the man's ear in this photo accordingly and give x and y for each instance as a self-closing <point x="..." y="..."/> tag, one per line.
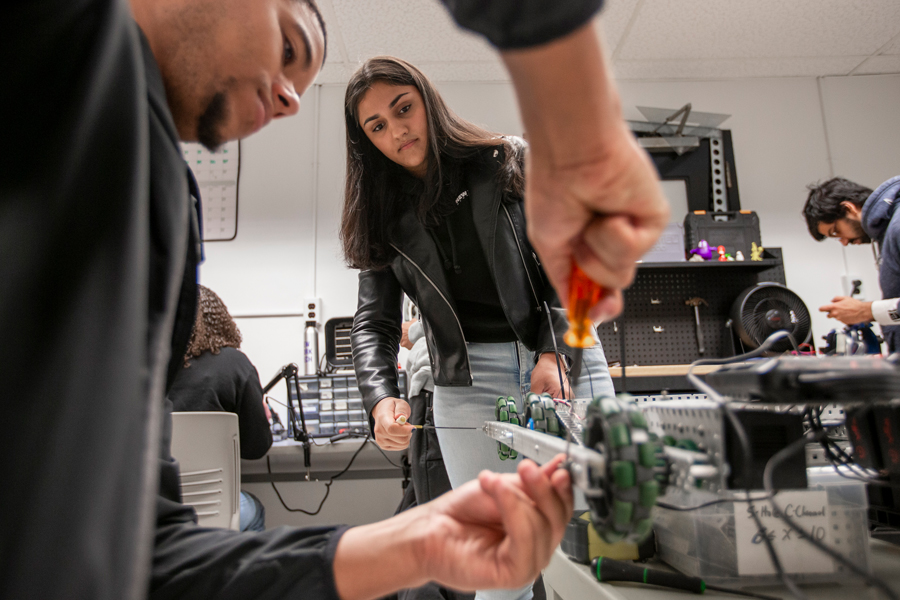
<point x="851" y="211"/>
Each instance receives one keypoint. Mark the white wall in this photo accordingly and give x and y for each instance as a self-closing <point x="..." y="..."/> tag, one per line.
<point x="291" y="183"/>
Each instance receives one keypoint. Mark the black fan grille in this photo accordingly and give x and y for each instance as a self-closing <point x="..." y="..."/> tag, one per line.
<point x="770" y="309"/>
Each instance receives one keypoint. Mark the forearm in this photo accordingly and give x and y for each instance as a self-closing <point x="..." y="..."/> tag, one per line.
<point x="569" y="102"/>
<point x="377" y="559"/>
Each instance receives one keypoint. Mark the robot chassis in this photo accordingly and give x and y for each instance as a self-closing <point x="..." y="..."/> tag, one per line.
<point x="617" y="455"/>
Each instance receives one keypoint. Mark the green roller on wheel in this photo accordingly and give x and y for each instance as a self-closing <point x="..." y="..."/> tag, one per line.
<point x="616" y="427"/>
<point x="506" y="412"/>
<point x="541" y="412"/>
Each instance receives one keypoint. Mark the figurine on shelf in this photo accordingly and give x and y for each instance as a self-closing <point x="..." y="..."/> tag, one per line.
<point x="722" y="256"/>
<point x="702" y="250"/>
<point x="739" y="256"/>
<point x="696" y="258"/>
<point x="756" y="251"/>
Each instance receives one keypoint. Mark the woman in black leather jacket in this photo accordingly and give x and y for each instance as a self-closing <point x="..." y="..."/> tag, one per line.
<point x="433" y="209"/>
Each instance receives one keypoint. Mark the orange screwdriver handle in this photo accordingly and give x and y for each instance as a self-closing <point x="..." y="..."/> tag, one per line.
<point x="583" y="294"/>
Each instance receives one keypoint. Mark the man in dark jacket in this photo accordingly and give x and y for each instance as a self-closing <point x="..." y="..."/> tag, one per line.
<point x="100" y="247"/>
<point x="854" y="214"/>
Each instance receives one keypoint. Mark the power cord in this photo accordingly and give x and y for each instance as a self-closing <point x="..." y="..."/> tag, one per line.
<point x="744" y="441"/>
<point x="768" y="473"/>
<point x="562" y="385"/>
<point x="327" y="483"/>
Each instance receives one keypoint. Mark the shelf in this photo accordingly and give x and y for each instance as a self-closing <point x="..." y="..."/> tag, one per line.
<point x="713" y="264"/>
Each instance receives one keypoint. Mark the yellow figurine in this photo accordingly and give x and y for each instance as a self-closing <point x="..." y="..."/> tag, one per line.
<point x="756" y="252"/>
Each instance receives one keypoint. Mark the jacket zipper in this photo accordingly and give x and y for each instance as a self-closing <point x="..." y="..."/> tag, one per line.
<point x="450" y="306"/>
<point x="512" y="226"/>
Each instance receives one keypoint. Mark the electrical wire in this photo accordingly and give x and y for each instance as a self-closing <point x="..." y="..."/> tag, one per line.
<point x="562" y="385"/>
<point x="744" y="441"/>
<point x="675" y="507"/>
<point x="768" y="474"/>
<point x="569" y="435"/>
<point x="327" y="483"/>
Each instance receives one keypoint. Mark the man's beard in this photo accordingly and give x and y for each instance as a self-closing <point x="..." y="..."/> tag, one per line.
<point x="859" y="234"/>
<point x="209" y="125"/>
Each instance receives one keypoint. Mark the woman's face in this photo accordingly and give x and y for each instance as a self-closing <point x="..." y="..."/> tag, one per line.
<point x="393" y="117"/>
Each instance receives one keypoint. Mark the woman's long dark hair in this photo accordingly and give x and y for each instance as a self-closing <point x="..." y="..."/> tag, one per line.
<point x="371" y="192"/>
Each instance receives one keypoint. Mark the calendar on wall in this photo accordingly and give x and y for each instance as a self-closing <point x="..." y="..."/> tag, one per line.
<point x="217" y="175"/>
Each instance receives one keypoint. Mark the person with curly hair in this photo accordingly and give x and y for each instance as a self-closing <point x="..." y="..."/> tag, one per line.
<point x="217" y="376"/>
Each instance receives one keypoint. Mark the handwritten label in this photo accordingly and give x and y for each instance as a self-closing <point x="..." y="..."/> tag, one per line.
<point x="808" y="508"/>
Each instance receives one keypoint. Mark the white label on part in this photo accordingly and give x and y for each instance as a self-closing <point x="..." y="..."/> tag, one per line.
<point x="807" y="508"/>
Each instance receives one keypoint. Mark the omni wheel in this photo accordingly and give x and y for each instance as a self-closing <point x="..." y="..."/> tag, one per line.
<point x="626" y="492"/>
<point x="540" y="415"/>
<point x="506" y="412"/>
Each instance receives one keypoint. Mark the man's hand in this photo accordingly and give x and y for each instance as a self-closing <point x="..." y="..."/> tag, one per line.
<point x="848" y="311"/>
<point x="390" y="435"/>
<point x="545" y="376"/>
<point x="591" y="192"/>
<point x="606" y="213"/>
<point x="497" y="532"/>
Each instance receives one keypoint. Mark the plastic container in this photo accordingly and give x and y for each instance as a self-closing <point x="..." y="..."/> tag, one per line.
<point x="704" y="542"/>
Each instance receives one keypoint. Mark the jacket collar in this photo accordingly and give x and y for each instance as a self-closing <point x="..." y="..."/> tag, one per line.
<point x="879" y="208"/>
<point x="156" y="90"/>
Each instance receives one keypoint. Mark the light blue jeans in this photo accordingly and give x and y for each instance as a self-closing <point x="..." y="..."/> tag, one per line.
<point x="498" y="370"/>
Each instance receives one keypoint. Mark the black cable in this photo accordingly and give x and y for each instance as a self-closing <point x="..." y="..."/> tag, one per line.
<point x="562" y="385"/>
<point x="835" y="454"/>
<point x="584" y="364"/>
<point x="675" y="507"/>
<point x="747" y="458"/>
<point x="622" y="353"/>
<point x="768" y="473"/>
<point x="746" y="449"/>
<point x="386" y="456"/>
<point x="327" y="483"/>
<point x="569" y="435"/>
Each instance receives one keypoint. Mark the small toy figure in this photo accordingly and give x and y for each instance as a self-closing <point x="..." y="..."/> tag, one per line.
<point x="756" y="252"/>
<point x="722" y="256"/>
<point x="739" y="256"/>
<point x="702" y="250"/>
<point x="695" y="258"/>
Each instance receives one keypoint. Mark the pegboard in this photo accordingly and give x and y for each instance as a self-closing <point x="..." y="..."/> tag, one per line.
<point x="659" y="326"/>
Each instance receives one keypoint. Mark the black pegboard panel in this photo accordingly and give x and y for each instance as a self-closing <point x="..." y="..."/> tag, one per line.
<point x="659" y="326"/>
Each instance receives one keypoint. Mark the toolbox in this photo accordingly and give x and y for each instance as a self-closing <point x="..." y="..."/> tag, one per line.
<point x="736" y="230"/>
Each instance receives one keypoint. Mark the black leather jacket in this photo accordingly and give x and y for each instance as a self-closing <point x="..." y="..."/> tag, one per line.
<point x="417" y="271"/>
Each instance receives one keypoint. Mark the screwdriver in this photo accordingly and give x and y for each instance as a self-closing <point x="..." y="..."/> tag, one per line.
<point x="583" y="294"/>
<point x="401" y="420"/>
<point x="607" y="569"/>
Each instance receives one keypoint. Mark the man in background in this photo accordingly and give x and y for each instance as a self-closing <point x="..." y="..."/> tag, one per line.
<point x="854" y="214"/>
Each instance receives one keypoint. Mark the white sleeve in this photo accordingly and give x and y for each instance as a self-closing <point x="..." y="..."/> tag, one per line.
<point x="885" y="311"/>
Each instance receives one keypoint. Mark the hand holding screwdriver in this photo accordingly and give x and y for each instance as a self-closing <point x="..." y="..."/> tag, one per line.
<point x="583" y="294"/>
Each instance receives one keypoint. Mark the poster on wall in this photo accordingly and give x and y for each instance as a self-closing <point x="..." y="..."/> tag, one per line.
<point x="217" y="175"/>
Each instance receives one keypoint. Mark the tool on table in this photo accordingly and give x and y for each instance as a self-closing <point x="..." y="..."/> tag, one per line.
<point x="607" y="569"/>
<point x="401" y="420"/>
<point x="696" y="302"/>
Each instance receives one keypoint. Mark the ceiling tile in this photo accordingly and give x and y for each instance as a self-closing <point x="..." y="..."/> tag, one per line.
<point x="879" y="64"/>
<point x="893" y="47"/>
<point x="415" y="31"/>
<point x="669" y="29"/>
<point x="614" y="19"/>
<point x="734" y="68"/>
